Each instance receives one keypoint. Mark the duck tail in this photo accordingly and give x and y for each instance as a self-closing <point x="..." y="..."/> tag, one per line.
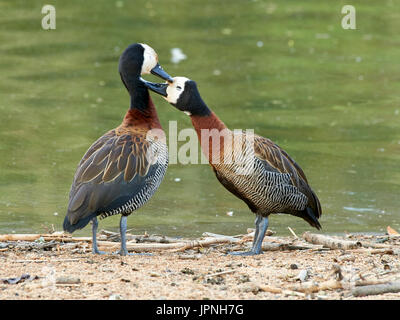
<point x="309" y="215"/>
<point x="81" y="223"/>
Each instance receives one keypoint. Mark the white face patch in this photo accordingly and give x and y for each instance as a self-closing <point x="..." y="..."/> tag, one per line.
<point x="175" y="89"/>
<point x="150" y="59"/>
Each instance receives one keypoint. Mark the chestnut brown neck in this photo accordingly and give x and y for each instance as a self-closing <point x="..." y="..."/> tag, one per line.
<point x="147" y="118"/>
<point x="211" y="132"/>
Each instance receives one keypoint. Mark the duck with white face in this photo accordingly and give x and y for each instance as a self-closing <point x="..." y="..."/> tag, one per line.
<point x="273" y="182"/>
<point x="183" y="94"/>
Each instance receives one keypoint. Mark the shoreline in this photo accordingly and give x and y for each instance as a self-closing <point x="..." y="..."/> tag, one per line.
<point x="57" y="266"/>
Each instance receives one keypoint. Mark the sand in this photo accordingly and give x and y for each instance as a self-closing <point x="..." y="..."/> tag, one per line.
<point x="204" y="273"/>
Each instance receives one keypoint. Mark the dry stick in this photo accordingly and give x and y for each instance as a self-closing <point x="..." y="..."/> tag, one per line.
<point x="204" y="243"/>
<point x="330" y="242"/>
<point x="367" y="244"/>
<point x="271" y="289"/>
<point x="283" y="291"/>
<point x="219" y="273"/>
<point x="140" y="247"/>
<point x="29" y="237"/>
<point x="215" y="235"/>
<point x="292" y="232"/>
<point x="53" y="260"/>
<point x="178" y="246"/>
<point x="315" y="287"/>
<point x="267" y="246"/>
<point x="46" y="237"/>
<point x="376" y="251"/>
<point x="362" y="283"/>
<point x="389" y="287"/>
<point x="140" y="238"/>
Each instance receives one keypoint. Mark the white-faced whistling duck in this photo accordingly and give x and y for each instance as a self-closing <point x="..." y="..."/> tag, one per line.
<point x="263" y="175"/>
<point x="122" y="170"/>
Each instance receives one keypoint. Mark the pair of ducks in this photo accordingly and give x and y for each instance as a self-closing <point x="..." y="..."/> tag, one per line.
<point x="122" y="170"/>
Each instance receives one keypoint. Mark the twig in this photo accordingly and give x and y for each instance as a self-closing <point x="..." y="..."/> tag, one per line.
<point x="389" y="287"/>
<point x="219" y="236"/>
<point x="331" y="242"/>
<point x="54" y="260"/>
<point x="271" y="289"/>
<point x="292" y="232"/>
<point x="204" y="243"/>
<point x="219" y="273"/>
<point x="309" y="287"/>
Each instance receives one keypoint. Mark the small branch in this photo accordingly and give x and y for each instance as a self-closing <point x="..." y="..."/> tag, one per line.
<point x="221" y="236"/>
<point x="389" y="287"/>
<point x="330" y="242"/>
<point x="204" y="243"/>
<point x="310" y="287"/>
<point x="292" y="232"/>
<point x="219" y="273"/>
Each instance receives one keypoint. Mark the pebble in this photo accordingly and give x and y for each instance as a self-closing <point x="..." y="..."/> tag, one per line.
<point x="303" y="275"/>
<point x="250" y="287"/>
<point x="155" y="274"/>
<point x="187" y="271"/>
<point x="346" y="257"/>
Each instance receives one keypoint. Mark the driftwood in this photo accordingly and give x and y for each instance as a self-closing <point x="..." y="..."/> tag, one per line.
<point x="311" y="286"/>
<point x="331" y="242"/>
<point x="33" y="237"/>
<point x="177" y="246"/>
<point x="142" y="243"/>
<point x="115" y="236"/>
<point x="361" y="283"/>
<point x="219" y="273"/>
<point x="214" y="235"/>
<point x="389" y="287"/>
<point x="203" y="243"/>
<point x="286" y="292"/>
<point x="56" y="236"/>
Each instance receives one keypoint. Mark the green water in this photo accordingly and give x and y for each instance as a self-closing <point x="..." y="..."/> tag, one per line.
<point x="330" y="97"/>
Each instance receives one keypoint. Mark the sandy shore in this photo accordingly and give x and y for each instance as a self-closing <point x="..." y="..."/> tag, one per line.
<point x="203" y="273"/>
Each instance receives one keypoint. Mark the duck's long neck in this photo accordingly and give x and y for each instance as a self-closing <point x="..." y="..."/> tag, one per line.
<point x="212" y="133"/>
<point x="142" y="112"/>
<point x="146" y="119"/>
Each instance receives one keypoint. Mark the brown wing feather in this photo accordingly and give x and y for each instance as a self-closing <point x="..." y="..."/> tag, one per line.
<point x="116" y="155"/>
<point x="109" y="157"/>
<point x="278" y="159"/>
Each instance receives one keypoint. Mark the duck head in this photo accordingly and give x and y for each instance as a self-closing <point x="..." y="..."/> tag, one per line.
<point x="182" y="93"/>
<point x="139" y="59"/>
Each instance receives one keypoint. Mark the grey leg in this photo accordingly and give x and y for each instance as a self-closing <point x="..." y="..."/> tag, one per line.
<point x="95" y="224"/>
<point x="122" y="230"/>
<point x="261" y="228"/>
<point x="256" y="222"/>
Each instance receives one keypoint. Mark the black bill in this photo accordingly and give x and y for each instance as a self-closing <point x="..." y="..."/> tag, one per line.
<point x="159" y="71"/>
<point x="160" y="88"/>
